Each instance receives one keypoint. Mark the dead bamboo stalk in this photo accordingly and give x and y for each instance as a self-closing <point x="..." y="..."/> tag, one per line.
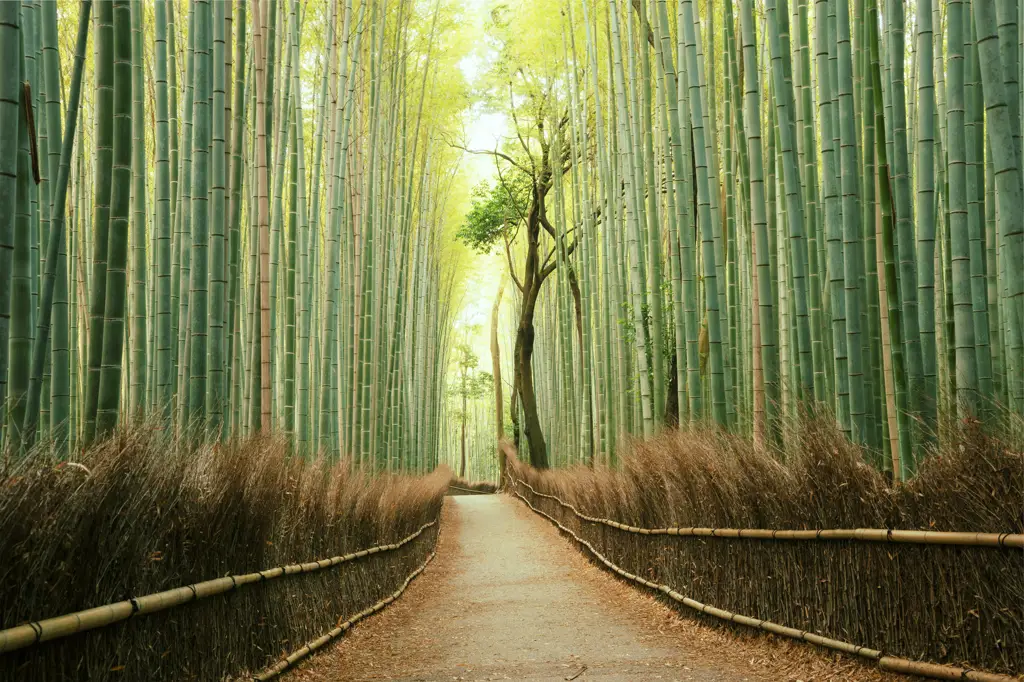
<point x="931" y="670"/>
<point x="35" y="632"/>
<point x="920" y="537"/>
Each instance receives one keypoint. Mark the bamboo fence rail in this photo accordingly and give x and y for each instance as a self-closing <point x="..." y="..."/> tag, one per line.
<point x="310" y="647"/>
<point x="921" y="537"/>
<point x="29" y="634"/>
<point x="469" y="490"/>
<point x="890" y="663"/>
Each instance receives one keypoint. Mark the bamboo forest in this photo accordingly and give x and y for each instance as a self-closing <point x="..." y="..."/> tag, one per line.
<point x="720" y="301"/>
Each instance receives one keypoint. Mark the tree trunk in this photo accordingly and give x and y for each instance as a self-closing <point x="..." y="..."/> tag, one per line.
<point x="527" y="393"/>
<point x="577" y="302"/>
<point x="499" y="411"/>
<point x="462" y="463"/>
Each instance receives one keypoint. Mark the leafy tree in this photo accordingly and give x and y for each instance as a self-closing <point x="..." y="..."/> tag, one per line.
<point x="472" y="385"/>
<point x="515" y="210"/>
<point x="496" y="212"/>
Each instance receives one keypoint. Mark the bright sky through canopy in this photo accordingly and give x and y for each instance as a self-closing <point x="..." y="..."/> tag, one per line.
<point x="483" y="130"/>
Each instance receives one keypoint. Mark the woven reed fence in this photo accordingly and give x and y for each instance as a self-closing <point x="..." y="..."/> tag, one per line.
<point x="136" y="518"/>
<point x="323" y="640"/>
<point x="675" y="518"/>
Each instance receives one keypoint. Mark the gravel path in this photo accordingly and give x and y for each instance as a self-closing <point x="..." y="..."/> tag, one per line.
<point x="507" y="598"/>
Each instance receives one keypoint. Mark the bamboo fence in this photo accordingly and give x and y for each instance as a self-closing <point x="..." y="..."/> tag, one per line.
<point x="890" y="663"/>
<point x="310" y="647"/>
<point x="470" y="490"/>
<point x="921" y="537"/>
<point x="29" y="634"/>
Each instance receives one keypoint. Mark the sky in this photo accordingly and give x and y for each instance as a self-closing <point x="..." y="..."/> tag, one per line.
<point x="483" y="130"/>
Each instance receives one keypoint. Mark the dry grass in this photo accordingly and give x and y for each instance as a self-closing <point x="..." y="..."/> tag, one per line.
<point x="138" y="514"/>
<point x="460" y="486"/>
<point x="956" y="605"/>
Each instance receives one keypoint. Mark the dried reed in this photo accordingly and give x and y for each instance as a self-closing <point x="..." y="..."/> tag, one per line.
<point x="944" y="604"/>
<point x="141" y="513"/>
<point x="461" y="486"/>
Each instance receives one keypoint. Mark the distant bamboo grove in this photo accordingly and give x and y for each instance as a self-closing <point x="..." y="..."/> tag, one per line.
<point x="224" y="217"/>
<point x="219" y="248"/>
<point x="764" y="212"/>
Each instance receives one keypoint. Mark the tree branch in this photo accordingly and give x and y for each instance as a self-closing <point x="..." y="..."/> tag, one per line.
<point x="487" y="152"/>
<point x="501" y="179"/>
<point x="511" y="266"/>
<point x="550" y="267"/>
<point x="650" y="32"/>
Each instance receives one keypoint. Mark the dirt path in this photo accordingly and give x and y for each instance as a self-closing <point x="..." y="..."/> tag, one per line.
<point x="507" y="598"/>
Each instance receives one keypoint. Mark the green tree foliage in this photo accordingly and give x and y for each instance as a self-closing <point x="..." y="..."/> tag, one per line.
<point x="497" y="212"/>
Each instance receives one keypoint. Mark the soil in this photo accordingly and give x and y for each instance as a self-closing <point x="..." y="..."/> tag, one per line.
<point x="508" y="598"/>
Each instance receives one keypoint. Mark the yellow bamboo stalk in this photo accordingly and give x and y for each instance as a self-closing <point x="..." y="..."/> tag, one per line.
<point x="919" y="537"/>
<point x="35" y="632"/>
<point x="934" y="671"/>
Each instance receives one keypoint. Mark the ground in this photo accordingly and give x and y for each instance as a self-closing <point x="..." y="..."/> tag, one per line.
<point x="509" y="598"/>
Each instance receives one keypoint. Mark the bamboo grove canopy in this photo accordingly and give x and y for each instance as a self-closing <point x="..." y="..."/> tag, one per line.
<point x="232" y="216"/>
<point x="760" y="212"/>
<point x="226" y="217"/>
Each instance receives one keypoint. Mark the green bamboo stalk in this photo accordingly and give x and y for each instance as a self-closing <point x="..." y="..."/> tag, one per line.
<point x="853" y="254"/>
<point x="707" y="229"/>
<point x="181" y="269"/>
<point x="1010" y="222"/>
<point x="768" y="355"/>
<point x="163" y="220"/>
<point x="828" y="116"/>
<point x="216" y="388"/>
<point x="904" y="221"/>
<point x="636" y="283"/>
<point x="812" y="216"/>
<point x="109" y="393"/>
<point x="924" y="179"/>
<point x="904" y="458"/>
<point x="872" y="346"/>
<point x="104" y="137"/>
<point x="138" y="365"/>
<point x="199" y="294"/>
<point x="10" y="124"/>
<point x="56" y="239"/>
<point x="975" y="187"/>
<point x="21" y="267"/>
<point x="783" y="96"/>
<point x="59" y="361"/>
<point x="261" y="322"/>
<point x="309" y="252"/>
<point x="242" y="87"/>
<point x="966" y="360"/>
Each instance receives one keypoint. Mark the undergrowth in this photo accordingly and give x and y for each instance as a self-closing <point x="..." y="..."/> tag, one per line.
<point x="462" y="486"/>
<point x="957" y="605"/>
<point x="140" y="513"/>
